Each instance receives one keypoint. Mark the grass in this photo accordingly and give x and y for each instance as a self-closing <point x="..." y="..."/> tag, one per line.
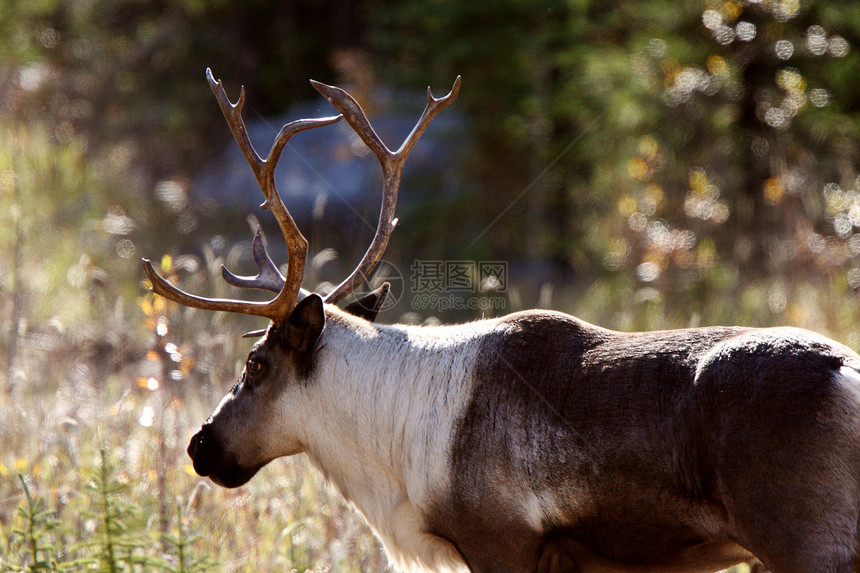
<point x="105" y="484"/>
<point x="97" y="495"/>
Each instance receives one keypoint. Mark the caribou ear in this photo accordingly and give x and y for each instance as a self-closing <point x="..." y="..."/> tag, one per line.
<point x="368" y="306"/>
<point x="303" y="329"/>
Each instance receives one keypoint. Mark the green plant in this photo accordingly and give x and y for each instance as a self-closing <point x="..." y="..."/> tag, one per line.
<point x="182" y="557"/>
<point x="121" y="540"/>
<point x="35" y="543"/>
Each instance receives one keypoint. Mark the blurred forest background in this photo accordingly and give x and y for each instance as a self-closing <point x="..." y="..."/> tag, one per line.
<point x="641" y="164"/>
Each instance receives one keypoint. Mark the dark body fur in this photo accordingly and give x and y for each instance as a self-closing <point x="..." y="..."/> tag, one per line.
<point x="686" y="450"/>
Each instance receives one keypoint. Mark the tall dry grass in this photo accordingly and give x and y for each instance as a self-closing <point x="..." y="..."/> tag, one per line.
<point x="73" y="435"/>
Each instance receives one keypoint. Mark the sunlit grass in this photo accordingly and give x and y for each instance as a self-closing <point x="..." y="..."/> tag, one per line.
<point x="286" y="518"/>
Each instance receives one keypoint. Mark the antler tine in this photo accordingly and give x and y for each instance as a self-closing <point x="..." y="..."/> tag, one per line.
<point x="277" y="309"/>
<point x="269" y="277"/>
<point x="392" y="169"/>
<point x="233" y="114"/>
<point x="264" y="171"/>
<point x="434" y="106"/>
<point x="162" y="286"/>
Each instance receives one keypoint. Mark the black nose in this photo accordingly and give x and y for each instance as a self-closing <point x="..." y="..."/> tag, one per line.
<point x="195" y="444"/>
<point x="205" y="452"/>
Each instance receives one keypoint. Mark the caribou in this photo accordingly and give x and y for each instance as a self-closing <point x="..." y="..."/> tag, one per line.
<point x="536" y="442"/>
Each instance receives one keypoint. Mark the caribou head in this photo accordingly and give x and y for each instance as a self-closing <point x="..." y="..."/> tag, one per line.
<point x="241" y="435"/>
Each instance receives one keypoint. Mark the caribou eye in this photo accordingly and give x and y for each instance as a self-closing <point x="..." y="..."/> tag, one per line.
<point x="254" y="370"/>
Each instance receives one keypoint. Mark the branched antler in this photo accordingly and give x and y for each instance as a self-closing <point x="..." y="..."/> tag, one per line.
<point x="269" y="278"/>
<point x="277" y="309"/>
<point x="392" y="169"/>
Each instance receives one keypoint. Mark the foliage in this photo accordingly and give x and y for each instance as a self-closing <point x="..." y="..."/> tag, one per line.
<point x="179" y="547"/>
<point x="726" y="131"/>
<point x="35" y="543"/>
<point x="723" y="147"/>
<point x="117" y="544"/>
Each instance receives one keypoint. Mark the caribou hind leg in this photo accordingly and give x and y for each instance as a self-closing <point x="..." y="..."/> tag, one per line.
<point x="796" y="524"/>
<point x="786" y="545"/>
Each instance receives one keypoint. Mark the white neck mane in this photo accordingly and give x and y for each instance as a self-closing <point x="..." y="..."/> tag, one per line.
<point x="388" y="400"/>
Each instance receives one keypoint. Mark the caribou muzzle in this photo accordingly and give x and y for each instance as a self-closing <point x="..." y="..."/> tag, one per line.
<point x="212" y="461"/>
